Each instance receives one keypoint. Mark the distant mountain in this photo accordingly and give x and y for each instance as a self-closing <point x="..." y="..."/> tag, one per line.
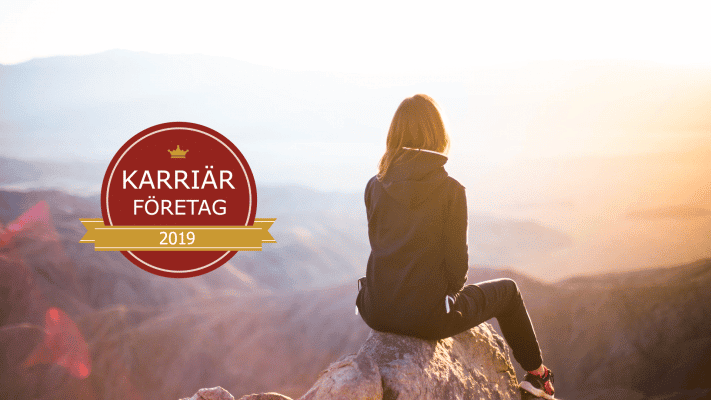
<point x="78" y="178"/>
<point x="322" y="238"/>
<point x="90" y="279"/>
<point x="327" y="130"/>
<point x="309" y="128"/>
<point x="88" y="106"/>
<point x="13" y="171"/>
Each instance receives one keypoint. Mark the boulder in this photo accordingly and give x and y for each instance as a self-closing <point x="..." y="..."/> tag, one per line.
<point x="474" y="364"/>
<point x="216" y="393"/>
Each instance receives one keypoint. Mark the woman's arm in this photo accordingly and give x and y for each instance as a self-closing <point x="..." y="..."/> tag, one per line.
<point x="455" y="241"/>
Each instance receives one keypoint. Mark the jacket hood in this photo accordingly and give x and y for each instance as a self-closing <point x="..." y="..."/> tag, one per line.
<point x="413" y="179"/>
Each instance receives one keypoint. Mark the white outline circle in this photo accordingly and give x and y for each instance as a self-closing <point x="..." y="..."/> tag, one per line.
<point x="108" y="187"/>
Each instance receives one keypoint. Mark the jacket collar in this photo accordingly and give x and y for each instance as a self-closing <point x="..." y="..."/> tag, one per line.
<point x="415" y="176"/>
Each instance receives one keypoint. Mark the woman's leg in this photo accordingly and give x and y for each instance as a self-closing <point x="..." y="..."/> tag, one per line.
<point x="501" y="299"/>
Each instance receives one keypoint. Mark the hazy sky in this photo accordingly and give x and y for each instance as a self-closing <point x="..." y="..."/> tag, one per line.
<point x="363" y="36"/>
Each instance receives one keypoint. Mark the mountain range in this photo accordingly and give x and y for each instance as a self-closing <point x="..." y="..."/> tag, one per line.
<point x="640" y="334"/>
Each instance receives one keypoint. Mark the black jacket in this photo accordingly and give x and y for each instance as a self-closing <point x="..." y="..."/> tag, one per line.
<point x="417" y="225"/>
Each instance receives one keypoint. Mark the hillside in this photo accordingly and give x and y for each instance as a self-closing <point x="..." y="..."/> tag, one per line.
<point x="321" y="241"/>
<point x="646" y="332"/>
<point x="637" y="335"/>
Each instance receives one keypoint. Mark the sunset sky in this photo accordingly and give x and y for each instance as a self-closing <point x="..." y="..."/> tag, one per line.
<point x="366" y="36"/>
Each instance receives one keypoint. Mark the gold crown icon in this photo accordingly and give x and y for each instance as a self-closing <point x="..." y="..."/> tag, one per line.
<point x="177" y="153"/>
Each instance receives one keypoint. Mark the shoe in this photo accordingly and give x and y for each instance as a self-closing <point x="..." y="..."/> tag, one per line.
<point x="539" y="386"/>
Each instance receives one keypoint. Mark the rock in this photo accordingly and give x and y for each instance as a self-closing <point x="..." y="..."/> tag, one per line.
<point x="356" y="376"/>
<point x="216" y="393"/>
<point x="265" y="396"/>
<point x="472" y="365"/>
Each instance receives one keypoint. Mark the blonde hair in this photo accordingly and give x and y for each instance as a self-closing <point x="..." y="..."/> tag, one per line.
<point x="417" y="124"/>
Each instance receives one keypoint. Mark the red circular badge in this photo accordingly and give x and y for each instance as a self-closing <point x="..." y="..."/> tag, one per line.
<point x="178" y="174"/>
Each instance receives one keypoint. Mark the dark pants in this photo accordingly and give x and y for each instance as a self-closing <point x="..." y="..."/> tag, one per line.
<point x="500" y="299"/>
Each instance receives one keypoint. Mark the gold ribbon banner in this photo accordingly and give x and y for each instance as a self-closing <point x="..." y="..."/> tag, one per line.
<point x="177" y="238"/>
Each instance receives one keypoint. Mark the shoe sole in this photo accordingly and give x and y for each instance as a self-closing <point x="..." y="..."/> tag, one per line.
<point x="536" y="392"/>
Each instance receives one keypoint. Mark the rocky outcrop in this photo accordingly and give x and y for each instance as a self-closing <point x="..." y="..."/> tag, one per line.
<point x="472" y="365"/>
<point x="216" y="393"/>
<point x="219" y="393"/>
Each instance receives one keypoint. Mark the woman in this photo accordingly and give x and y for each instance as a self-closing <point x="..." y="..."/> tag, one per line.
<point x="417" y="224"/>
